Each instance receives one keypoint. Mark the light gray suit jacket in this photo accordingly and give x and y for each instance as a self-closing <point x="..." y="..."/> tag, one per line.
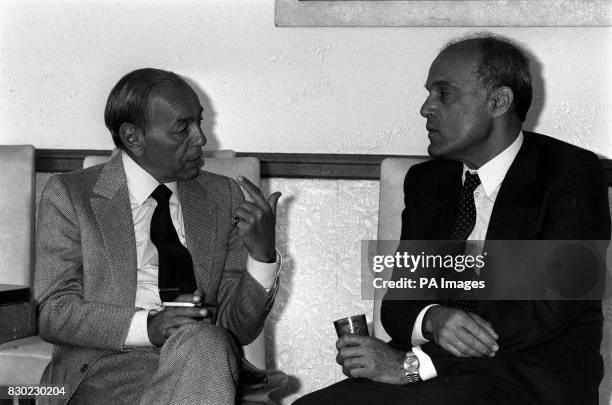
<point x="85" y="276"/>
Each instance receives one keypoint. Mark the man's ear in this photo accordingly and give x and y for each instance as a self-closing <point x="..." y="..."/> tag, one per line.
<point x="500" y="101"/>
<point x="131" y="136"/>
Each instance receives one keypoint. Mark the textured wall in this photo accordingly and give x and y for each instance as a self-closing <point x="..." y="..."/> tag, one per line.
<point x="269" y="89"/>
<point x="320" y="226"/>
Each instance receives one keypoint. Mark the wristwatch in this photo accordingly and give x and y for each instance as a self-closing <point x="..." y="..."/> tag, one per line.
<point x="411" y="367"/>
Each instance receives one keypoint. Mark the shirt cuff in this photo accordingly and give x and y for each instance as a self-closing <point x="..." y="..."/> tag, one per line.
<point x="417" y="330"/>
<point x="138" y="335"/>
<point x="266" y="274"/>
<point x="427" y="370"/>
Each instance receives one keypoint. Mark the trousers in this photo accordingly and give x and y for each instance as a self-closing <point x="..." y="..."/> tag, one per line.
<point x="469" y="389"/>
<point x="199" y="363"/>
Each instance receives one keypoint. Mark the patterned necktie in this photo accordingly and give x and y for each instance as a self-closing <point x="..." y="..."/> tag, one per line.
<point x="175" y="271"/>
<point x="462" y="228"/>
<point x="466" y="211"/>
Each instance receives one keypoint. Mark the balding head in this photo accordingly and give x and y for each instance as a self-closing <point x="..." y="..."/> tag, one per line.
<point x="500" y="63"/>
<point x="472" y="111"/>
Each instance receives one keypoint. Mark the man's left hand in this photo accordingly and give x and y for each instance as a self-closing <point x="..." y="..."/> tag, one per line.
<point x="257" y="221"/>
<point x="368" y="357"/>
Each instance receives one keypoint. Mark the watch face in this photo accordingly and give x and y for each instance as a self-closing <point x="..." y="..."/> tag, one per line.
<point x="414" y="366"/>
<point x="411" y="364"/>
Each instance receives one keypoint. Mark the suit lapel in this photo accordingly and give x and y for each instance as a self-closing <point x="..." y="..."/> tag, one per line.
<point x="509" y="215"/>
<point x="443" y="203"/>
<point x="111" y="207"/>
<point x="518" y="186"/>
<point x="200" y="219"/>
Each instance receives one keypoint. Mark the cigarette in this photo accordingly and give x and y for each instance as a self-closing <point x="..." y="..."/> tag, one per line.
<point x="178" y="304"/>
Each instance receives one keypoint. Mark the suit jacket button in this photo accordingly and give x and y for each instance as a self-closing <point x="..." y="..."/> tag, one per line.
<point x="84" y="368"/>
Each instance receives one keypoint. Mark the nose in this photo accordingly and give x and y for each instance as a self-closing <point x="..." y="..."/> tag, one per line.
<point x="427" y="108"/>
<point x="200" y="137"/>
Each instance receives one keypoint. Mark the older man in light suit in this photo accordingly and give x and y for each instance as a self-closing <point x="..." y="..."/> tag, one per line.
<point x="99" y="262"/>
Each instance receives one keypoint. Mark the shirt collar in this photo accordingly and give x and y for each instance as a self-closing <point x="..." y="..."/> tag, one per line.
<point x="139" y="182"/>
<point x="492" y="173"/>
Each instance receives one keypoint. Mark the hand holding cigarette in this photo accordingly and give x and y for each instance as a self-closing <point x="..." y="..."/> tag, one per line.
<point x="196" y="299"/>
<point x="186" y="309"/>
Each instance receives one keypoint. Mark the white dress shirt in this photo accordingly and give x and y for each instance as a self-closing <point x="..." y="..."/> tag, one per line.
<point x="140" y="186"/>
<point x="491" y="175"/>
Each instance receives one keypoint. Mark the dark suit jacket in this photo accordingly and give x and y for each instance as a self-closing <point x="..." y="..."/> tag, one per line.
<point x="85" y="277"/>
<point x="552" y="191"/>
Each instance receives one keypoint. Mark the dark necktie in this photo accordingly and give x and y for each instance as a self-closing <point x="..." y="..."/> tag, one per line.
<point x="466" y="211"/>
<point x="175" y="271"/>
<point x="462" y="228"/>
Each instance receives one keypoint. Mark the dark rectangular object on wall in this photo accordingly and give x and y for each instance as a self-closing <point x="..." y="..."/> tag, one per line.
<point x="17" y="313"/>
<point x="10" y="293"/>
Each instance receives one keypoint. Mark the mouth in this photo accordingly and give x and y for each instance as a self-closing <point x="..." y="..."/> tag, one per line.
<point x="432" y="132"/>
<point x="198" y="159"/>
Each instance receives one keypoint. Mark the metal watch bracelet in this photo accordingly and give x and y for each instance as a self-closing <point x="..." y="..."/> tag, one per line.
<point x="410" y="367"/>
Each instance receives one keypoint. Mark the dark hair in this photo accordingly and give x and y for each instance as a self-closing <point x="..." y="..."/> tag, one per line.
<point x="128" y="101"/>
<point x="503" y="64"/>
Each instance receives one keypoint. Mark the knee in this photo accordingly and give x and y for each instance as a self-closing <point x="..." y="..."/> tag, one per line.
<point x="215" y="338"/>
<point x="218" y="337"/>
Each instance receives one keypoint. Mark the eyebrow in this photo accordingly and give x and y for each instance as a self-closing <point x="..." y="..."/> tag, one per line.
<point x="187" y="119"/>
<point x="439" y="83"/>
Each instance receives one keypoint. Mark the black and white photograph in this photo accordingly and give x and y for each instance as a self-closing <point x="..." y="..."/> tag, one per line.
<point x="309" y="202"/>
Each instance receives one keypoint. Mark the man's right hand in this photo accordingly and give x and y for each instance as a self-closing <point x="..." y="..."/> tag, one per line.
<point x="461" y="333"/>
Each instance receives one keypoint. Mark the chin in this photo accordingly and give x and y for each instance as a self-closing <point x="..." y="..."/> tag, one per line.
<point x="189" y="174"/>
<point x="442" y="151"/>
<point x="192" y="169"/>
<point x="438" y="145"/>
<point x="435" y="151"/>
<point x="192" y="175"/>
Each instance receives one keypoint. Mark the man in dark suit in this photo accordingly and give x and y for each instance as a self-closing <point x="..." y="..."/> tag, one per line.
<point x="489" y="180"/>
<point x="116" y="240"/>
